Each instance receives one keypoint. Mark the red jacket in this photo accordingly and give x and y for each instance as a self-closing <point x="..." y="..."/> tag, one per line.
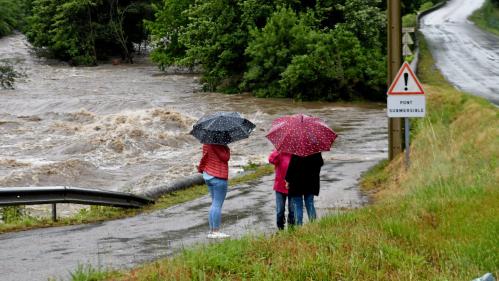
<point x="215" y="160"/>
<point x="281" y="163"/>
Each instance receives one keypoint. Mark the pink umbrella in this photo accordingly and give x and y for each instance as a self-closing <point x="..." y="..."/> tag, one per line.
<point x="301" y="135"/>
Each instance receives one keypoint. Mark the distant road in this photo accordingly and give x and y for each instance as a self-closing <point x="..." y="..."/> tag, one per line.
<point x="467" y="56"/>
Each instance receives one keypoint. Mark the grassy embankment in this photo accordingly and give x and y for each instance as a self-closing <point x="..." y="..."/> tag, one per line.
<point x="487" y="17"/>
<point x="103" y="213"/>
<point x="438" y="220"/>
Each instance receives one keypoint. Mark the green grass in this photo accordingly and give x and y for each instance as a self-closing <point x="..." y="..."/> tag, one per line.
<point x="438" y="220"/>
<point x="487" y="17"/>
<point x="19" y="222"/>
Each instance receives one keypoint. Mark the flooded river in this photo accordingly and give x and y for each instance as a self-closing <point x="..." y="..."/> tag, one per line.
<point x="126" y="127"/>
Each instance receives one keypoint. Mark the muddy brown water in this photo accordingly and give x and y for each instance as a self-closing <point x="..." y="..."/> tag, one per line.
<point x="125" y="128"/>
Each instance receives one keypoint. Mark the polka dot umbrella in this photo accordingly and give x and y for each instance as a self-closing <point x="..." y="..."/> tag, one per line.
<point x="301" y="135"/>
<point x="222" y="128"/>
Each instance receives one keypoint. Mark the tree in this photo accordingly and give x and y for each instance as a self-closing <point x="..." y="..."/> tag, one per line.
<point x="272" y="49"/>
<point x="11" y="15"/>
<point x="170" y="21"/>
<point x="277" y="48"/>
<point x="85" y="31"/>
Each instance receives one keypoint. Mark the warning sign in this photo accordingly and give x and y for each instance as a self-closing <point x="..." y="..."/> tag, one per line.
<point x="405" y="83"/>
<point x="406" y="106"/>
<point x="406" y="97"/>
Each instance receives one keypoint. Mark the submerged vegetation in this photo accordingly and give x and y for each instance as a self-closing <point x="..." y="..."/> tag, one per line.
<point x="8" y="74"/>
<point x="435" y="221"/>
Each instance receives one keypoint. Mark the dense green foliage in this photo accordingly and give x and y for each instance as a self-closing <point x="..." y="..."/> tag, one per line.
<point x="84" y="31"/>
<point x="411" y="6"/>
<point x="332" y="49"/>
<point x="166" y="30"/>
<point x="487" y="17"/>
<point x="11" y="15"/>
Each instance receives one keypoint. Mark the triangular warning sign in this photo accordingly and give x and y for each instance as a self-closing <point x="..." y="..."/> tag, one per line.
<point x="405" y="83"/>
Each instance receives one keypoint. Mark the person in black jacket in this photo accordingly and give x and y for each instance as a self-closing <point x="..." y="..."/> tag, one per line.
<point x="303" y="182"/>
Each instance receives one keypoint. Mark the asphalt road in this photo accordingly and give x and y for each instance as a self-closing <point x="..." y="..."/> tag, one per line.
<point x="249" y="210"/>
<point x="467" y="56"/>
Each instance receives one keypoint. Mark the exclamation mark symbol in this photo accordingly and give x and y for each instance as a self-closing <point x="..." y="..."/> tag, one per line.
<point x="406" y="79"/>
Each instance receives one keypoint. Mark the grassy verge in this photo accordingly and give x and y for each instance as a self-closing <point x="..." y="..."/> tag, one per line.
<point x="438" y="220"/>
<point x="18" y="222"/>
<point x="487" y="17"/>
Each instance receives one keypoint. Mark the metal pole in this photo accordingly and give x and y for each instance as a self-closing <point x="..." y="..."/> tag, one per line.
<point x="407" y="139"/>
<point x="394" y="63"/>
<point x="54" y="213"/>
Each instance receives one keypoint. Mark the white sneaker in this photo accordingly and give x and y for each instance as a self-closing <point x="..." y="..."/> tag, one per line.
<point x="218" y="235"/>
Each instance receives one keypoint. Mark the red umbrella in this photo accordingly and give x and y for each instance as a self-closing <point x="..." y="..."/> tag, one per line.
<point x="301" y="135"/>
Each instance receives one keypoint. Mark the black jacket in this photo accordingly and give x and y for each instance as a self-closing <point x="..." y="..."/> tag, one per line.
<point x="303" y="174"/>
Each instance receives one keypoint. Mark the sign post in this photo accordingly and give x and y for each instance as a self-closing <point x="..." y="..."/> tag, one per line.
<point x="406" y="98"/>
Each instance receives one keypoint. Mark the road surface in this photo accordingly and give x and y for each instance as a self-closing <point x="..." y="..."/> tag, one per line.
<point x="249" y="210"/>
<point x="467" y="56"/>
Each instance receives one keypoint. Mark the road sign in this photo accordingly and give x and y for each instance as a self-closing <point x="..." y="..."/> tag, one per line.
<point x="405" y="83"/>
<point x="406" y="97"/>
<point x="406" y="51"/>
<point x="406" y="106"/>
<point x="407" y="39"/>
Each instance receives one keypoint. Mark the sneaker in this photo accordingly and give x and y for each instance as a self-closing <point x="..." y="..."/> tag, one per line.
<point x="218" y="235"/>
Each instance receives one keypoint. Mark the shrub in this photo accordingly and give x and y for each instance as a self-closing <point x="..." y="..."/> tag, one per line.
<point x="8" y="75"/>
<point x="425" y="6"/>
<point x="409" y="20"/>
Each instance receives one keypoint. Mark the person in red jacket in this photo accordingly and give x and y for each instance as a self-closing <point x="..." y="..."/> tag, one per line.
<point x="214" y="166"/>
<point x="281" y="162"/>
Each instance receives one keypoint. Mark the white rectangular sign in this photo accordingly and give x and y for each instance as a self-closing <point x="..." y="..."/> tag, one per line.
<point x="406" y="106"/>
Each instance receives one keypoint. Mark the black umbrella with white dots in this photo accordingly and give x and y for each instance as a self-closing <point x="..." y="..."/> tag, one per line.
<point x="222" y="128"/>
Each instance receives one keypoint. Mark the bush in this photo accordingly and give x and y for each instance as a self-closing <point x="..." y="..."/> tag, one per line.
<point x="271" y="50"/>
<point x="426" y="6"/>
<point x="330" y="69"/>
<point x="11" y="13"/>
<point x="170" y="21"/>
<point x="409" y="20"/>
<point x="247" y="45"/>
<point x="8" y="75"/>
<point x="290" y="58"/>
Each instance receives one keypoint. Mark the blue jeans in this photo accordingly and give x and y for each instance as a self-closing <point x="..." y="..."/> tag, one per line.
<point x="298" y="207"/>
<point x="218" y="190"/>
<point x="280" y="208"/>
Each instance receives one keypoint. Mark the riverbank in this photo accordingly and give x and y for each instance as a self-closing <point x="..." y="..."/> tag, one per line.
<point x="487" y="17"/>
<point x="436" y="220"/>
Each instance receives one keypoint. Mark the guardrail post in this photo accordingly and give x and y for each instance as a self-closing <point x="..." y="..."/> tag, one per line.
<point x="54" y="212"/>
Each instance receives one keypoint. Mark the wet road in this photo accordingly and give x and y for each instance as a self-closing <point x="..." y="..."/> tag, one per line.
<point x="248" y="210"/>
<point x="467" y="56"/>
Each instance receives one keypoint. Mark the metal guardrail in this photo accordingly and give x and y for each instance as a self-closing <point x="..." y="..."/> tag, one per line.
<point x="11" y="196"/>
